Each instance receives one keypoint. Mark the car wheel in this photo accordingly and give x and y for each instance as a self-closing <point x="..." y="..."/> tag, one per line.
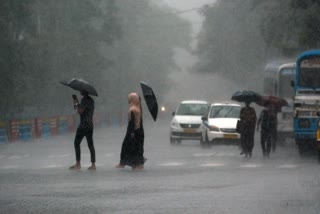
<point x="205" y="142"/>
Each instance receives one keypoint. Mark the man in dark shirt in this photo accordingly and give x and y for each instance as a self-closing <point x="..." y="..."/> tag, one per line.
<point x="268" y="122"/>
<point x="85" y="129"/>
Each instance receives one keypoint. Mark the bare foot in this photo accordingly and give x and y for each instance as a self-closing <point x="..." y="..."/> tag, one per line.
<point x="93" y="168"/>
<point x="120" y="166"/>
<point x="140" y="167"/>
<point x="75" y="167"/>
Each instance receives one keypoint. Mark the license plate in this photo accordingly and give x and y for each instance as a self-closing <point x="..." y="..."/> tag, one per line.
<point x="189" y="130"/>
<point x="230" y="136"/>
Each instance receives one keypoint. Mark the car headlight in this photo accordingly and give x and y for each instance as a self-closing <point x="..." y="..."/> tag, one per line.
<point x="214" y="128"/>
<point x="175" y="124"/>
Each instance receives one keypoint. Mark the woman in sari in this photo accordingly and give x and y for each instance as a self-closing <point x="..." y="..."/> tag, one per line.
<point x="132" y="145"/>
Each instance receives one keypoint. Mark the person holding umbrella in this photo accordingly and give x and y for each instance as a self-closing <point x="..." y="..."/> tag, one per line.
<point x="248" y="120"/>
<point x="133" y="144"/>
<point x="85" y="128"/>
<point x="268" y="134"/>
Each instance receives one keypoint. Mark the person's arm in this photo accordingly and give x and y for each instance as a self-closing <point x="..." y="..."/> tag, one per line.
<point x="79" y="108"/>
<point x="82" y="106"/>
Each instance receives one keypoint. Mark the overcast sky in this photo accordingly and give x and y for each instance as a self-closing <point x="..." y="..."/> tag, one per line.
<point x="193" y="16"/>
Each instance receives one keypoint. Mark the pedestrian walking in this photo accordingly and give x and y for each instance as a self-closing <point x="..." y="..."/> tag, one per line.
<point x="133" y="144"/>
<point x="248" y="120"/>
<point x="268" y="123"/>
<point x="85" y="128"/>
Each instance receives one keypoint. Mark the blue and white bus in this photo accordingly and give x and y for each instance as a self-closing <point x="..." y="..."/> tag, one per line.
<point x="307" y="100"/>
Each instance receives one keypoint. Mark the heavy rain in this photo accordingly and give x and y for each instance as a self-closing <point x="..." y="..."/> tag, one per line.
<point x="160" y="106"/>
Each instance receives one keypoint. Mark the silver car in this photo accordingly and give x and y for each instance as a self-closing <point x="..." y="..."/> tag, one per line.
<point x="186" y="121"/>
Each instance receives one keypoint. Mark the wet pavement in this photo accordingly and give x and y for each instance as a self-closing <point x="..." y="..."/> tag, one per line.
<point x="34" y="178"/>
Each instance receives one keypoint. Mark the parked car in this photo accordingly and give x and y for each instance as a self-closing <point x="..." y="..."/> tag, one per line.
<point x="219" y="125"/>
<point x="186" y="121"/>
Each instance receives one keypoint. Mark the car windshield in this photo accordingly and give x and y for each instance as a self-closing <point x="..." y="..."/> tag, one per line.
<point x="225" y="112"/>
<point x="192" y="109"/>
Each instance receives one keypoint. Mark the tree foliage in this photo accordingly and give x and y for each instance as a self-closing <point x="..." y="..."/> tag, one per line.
<point x="239" y="37"/>
<point x="111" y="44"/>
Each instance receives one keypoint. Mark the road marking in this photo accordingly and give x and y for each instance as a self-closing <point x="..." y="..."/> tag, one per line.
<point x="203" y="154"/>
<point x="250" y="165"/>
<point x="15" y="157"/>
<point x="226" y="154"/>
<point x="171" y="164"/>
<point x="109" y="154"/>
<point x="287" y="166"/>
<point x="11" y="167"/>
<point x="212" y="165"/>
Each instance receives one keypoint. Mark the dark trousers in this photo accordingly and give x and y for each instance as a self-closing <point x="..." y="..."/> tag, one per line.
<point x="265" y="139"/>
<point x="77" y="141"/>
<point x="247" y="141"/>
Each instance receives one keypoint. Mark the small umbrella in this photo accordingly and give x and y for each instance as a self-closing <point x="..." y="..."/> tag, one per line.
<point x="79" y="85"/>
<point x="273" y="101"/>
<point x="150" y="99"/>
<point x="246" y="96"/>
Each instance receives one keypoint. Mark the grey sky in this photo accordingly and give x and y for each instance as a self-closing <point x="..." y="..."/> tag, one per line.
<point x="194" y="17"/>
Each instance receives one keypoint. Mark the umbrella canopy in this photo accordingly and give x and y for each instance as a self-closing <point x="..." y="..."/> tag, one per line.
<point x="246" y="96"/>
<point x="150" y="99"/>
<point x="273" y="101"/>
<point x="80" y="85"/>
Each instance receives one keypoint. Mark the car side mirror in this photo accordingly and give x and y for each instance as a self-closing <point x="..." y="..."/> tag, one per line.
<point x="173" y="113"/>
<point x="204" y="118"/>
<point x="292" y="83"/>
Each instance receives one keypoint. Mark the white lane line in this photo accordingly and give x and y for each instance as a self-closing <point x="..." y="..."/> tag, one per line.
<point x="203" y="154"/>
<point x="250" y="165"/>
<point x="16" y="157"/>
<point x="212" y="165"/>
<point x="230" y="154"/>
<point x="171" y="164"/>
<point x="109" y="154"/>
<point x="59" y="156"/>
<point x="10" y="167"/>
<point x="287" y="166"/>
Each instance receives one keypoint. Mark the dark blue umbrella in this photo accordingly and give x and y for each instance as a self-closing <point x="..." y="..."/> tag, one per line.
<point x="150" y="99"/>
<point x="246" y="96"/>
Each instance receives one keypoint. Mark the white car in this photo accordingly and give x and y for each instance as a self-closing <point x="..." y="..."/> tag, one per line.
<point x="186" y="121"/>
<point x="219" y="126"/>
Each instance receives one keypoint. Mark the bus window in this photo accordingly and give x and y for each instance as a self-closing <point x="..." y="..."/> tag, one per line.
<point x="286" y="75"/>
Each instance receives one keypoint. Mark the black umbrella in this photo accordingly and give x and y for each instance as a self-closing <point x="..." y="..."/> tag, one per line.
<point x="79" y="85"/>
<point x="150" y="99"/>
<point x="246" y="96"/>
